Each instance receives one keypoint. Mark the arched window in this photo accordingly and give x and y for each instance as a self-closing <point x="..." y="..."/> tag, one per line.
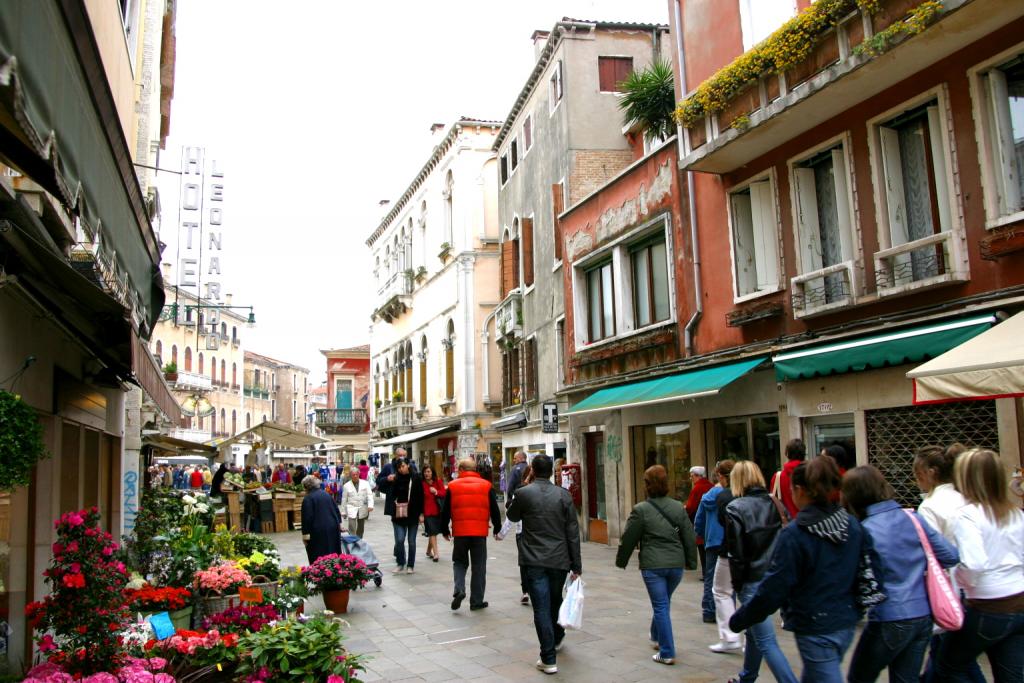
<point x="387" y="380"/>
<point x="174" y="353"/>
<point x="200" y="362"/>
<point x="213" y="369"/>
<point x="223" y="421"/>
<point x="387" y="263"/>
<point x="449" y="213"/>
<point x="376" y="382"/>
<point x="423" y="371"/>
<point x="510" y="259"/>
<point x="223" y="372"/>
<point x="234" y="423"/>
<point x="423" y="234"/>
<point x="449" y="362"/>
<point x="248" y="420"/>
<point x="234" y="333"/>
<point x="188" y="359"/>
<point x="408" y="372"/>
<point x="234" y="374"/>
<point x="159" y="350"/>
<point x="213" y="424"/>
<point x="201" y="420"/>
<point x="223" y="329"/>
<point x="264" y="417"/>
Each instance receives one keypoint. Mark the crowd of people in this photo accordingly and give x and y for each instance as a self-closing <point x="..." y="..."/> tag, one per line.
<point x="823" y="540"/>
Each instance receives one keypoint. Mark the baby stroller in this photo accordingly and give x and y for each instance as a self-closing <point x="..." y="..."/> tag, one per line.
<point x="353" y="545"/>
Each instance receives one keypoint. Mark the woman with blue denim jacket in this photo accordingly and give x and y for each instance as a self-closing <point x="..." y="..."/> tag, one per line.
<point x="813" y="575"/>
<point x="898" y="630"/>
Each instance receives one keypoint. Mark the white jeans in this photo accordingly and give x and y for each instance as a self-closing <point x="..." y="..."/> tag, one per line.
<point x="721" y="591"/>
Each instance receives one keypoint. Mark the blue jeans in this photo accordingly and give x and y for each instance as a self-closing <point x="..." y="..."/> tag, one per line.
<point x="545" y="588"/>
<point x="761" y="643"/>
<point x="822" y="655"/>
<point x="1000" y="636"/>
<point x="405" y="532"/>
<point x="707" y="601"/>
<point x="930" y="675"/>
<point x="661" y="583"/>
<point x="896" y="645"/>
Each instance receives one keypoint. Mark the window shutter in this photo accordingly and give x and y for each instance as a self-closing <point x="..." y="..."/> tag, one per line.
<point x="807" y="220"/>
<point x="623" y="68"/>
<point x="508" y="280"/>
<point x="765" y="239"/>
<point x="895" y="203"/>
<point x="423" y="383"/>
<point x="743" y="244"/>
<point x="530" y="369"/>
<point x="842" y="203"/>
<point x="557" y="207"/>
<point x="449" y="368"/>
<point x="606" y="73"/>
<point x="527" y="239"/>
<point x="936" y="135"/>
<point x="1003" y="142"/>
<point x="515" y="263"/>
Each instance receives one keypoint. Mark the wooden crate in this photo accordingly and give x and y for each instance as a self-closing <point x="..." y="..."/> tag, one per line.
<point x="281" y="521"/>
<point x="233" y="501"/>
<point x="220" y="518"/>
<point x="267" y="527"/>
<point x="282" y="504"/>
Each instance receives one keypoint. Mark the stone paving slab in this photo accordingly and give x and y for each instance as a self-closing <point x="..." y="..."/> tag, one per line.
<point x="408" y="632"/>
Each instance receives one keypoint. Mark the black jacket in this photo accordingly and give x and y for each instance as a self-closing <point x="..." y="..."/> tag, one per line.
<point x="515" y="480"/>
<point x="405" y="489"/>
<point x="551" y="534"/>
<point x="752" y="525"/>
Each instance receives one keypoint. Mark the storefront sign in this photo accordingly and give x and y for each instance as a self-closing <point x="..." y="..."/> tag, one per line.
<point x="549" y="418"/>
<point x="824" y="407"/>
<point x="200" y="232"/>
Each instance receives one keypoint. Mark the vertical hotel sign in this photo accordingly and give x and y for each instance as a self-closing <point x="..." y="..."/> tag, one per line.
<point x="200" y="228"/>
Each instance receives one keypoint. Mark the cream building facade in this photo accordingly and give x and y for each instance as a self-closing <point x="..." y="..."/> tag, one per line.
<point x="435" y="259"/>
<point x="276" y="391"/>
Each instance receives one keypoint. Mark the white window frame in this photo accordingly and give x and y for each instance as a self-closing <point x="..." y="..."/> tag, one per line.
<point x="560" y="364"/>
<point x="771" y="248"/>
<point x="951" y="213"/>
<point x="622" y="277"/>
<point x="808" y="268"/>
<point x="556" y="75"/>
<point x="527" y="125"/>
<point x="513" y="155"/>
<point x="992" y="179"/>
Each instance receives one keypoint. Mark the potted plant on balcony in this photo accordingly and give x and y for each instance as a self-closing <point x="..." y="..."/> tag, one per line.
<point x="171" y="372"/>
<point x="378" y="403"/>
<point x="421" y="274"/>
<point x="446" y="249"/>
<point x="397" y="396"/>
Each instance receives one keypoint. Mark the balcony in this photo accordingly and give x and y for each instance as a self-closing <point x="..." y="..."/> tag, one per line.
<point x="395" y="297"/>
<point x="920" y="264"/>
<point x="340" y="420"/>
<point x="394" y="417"/>
<point x="189" y="381"/>
<point x="257" y="391"/>
<point x="845" y="65"/>
<point x="823" y="290"/>
<point x="508" y="322"/>
<point x="194" y="435"/>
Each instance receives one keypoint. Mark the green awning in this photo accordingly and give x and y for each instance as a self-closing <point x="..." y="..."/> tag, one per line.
<point x="693" y="384"/>
<point x="879" y="351"/>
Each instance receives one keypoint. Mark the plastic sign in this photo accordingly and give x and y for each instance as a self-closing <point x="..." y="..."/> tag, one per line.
<point x="162" y="625"/>
<point x="249" y="594"/>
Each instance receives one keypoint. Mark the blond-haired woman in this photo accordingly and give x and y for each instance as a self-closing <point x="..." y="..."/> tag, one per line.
<point x="989" y="533"/>
<point x="752" y="524"/>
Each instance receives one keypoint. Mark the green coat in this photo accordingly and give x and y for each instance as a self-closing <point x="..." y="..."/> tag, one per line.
<point x="659" y="543"/>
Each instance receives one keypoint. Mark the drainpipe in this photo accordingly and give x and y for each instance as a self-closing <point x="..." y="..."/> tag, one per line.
<point x="691" y="325"/>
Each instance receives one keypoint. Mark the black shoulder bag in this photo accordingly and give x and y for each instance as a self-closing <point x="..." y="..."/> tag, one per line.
<point x="675" y="527"/>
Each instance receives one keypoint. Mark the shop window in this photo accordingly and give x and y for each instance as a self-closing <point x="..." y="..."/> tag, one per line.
<point x="555" y="86"/>
<point x="754" y="239"/>
<point x="650" y="282"/>
<point x="600" y="302"/>
<point x="1003" y="129"/>
<point x="746" y="438"/>
<point x="667" y="445"/>
<point x="612" y="71"/>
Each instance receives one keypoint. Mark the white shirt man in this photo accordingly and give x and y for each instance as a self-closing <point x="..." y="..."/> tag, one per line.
<point x="356" y="502"/>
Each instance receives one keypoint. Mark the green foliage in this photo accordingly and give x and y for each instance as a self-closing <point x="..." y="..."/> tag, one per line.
<point x="649" y="100"/>
<point x="21" y="441"/>
<point x="295" y="651"/>
<point x="916" y="21"/>
<point x="171" y="368"/>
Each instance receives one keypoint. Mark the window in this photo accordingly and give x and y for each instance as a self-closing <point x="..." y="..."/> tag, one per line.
<point x="248" y="420"/>
<point x="1004" y="113"/>
<point x="200" y="362"/>
<point x="408" y="372"/>
<point x="754" y="239"/>
<point x="159" y="350"/>
<point x="560" y="352"/>
<point x="760" y="18"/>
<point x="213" y="424"/>
<point x="649" y="263"/>
<point x="510" y="260"/>
<point x="234" y="422"/>
<point x="174" y="353"/>
<point x="423" y="372"/>
<point x="527" y="241"/>
<point x="449" y="208"/>
<point x="512" y="394"/>
<point x="915" y="191"/>
<point x="504" y="168"/>
<point x="273" y="409"/>
<point x="449" y="362"/>
<point x="188" y="359"/>
<point x="824" y="222"/>
<point x="612" y="71"/>
<point x="513" y="155"/>
<point x="557" y="207"/>
<point x="234" y="374"/>
<point x="530" y="368"/>
<point x="555" y="85"/>
<point x="527" y="133"/>
<point x="600" y="302"/>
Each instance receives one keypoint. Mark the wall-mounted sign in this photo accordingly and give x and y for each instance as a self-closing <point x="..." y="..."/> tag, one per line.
<point x="200" y="227"/>
<point x="824" y="407"/>
<point x="549" y="418"/>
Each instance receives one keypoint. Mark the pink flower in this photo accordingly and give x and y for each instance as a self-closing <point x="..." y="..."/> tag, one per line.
<point x="58" y="548"/>
<point x="73" y="547"/>
<point x="74" y="519"/>
<point x="46" y="643"/>
<point x="108" y="551"/>
<point x="335" y="678"/>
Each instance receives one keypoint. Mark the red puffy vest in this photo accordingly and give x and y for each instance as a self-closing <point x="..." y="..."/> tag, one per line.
<point x="469" y="498"/>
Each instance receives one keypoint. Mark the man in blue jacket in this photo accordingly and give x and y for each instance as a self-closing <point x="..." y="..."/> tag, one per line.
<point x="707" y="526"/>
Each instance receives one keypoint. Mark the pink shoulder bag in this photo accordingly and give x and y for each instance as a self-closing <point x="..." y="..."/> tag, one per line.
<point x="947" y="611"/>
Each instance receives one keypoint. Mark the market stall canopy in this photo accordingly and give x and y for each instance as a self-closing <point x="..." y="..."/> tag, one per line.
<point x="411" y="437"/>
<point x="911" y="345"/>
<point x="990" y="365"/>
<point x="183" y="460"/>
<point x="275" y="433"/>
<point x="692" y="384"/>
<point x="178" y="447"/>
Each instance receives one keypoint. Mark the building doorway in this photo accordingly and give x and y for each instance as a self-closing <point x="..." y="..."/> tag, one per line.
<point x="597" y="511"/>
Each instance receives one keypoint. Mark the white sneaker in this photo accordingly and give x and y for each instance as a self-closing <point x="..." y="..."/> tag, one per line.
<point x="547" y="668"/>
<point x="725" y="646"/>
<point x="663" y="660"/>
<point x="410" y="570"/>
<point x="398" y="570"/>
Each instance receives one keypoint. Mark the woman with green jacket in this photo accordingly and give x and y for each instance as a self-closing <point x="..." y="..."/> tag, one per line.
<point x="667" y="542"/>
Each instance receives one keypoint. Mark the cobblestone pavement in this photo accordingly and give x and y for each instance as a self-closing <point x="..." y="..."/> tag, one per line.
<point x="409" y="632"/>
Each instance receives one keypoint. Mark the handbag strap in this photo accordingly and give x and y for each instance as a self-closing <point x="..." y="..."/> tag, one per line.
<point x="783" y="514"/>
<point x="777" y="485"/>
<point x="925" y="543"/>
<point x="672" y="524"/>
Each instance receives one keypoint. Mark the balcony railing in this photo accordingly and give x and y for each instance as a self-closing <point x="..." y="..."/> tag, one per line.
<point x="394" y="297"/>
<point x="824" y="289"/>
<point x="194" y="435"/>
<point x="394" y="416"/>
<point x="257" y="392"/>
<point x="341" y="417"/>
<point x="918" y="264"/>
<point x="191" y="380"/>
<point x="509" y="319"/>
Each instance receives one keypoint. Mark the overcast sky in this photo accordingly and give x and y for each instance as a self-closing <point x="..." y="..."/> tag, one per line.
<point x="318" y="109"/>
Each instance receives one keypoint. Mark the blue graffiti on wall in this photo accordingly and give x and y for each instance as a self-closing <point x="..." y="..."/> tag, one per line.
<point x="131" y="500"/>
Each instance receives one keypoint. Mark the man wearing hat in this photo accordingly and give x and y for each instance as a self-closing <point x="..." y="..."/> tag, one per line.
<point x="701" y="485"/>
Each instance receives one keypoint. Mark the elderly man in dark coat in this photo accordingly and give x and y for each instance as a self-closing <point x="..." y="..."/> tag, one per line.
<point x="321" y="521"/>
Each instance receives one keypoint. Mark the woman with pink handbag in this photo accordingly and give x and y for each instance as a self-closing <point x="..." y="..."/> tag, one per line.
<point x="899" y="629"/>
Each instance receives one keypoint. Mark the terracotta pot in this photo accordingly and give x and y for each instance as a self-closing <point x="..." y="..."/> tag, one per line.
<point x="336" y="601"/>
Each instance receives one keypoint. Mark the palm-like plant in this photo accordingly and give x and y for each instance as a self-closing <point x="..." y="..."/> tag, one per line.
<point x="649" y="100"/>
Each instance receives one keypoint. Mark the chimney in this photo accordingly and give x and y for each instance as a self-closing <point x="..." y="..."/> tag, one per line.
<point x="383" y="202"/>
<point x="436" y="128"/>
<point x="227" y="299"/>
<point x="540" y="39"/>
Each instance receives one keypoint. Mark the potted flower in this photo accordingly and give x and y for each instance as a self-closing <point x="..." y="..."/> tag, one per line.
<point x="150" y="600"/>
<point x="295" y="650"/>
<point x="171" y="372"/>
<point x="421" y="273"/>
<point x="445" y="250"/>
<point x="335" y="575"/>
<point x="241" y="619"/>
<point x="377" y="403"/>
<point x="218" y="583"/>
<point x="397" y="396"/>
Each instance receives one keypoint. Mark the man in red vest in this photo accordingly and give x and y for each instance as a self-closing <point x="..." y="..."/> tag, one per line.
<point x="468" y="507"/>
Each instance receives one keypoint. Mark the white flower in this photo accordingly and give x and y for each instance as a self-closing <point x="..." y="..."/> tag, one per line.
<point x="202" y="508"/>
<point x="188" y="500"/>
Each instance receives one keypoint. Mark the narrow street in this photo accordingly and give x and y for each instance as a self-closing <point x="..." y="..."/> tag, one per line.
<point x="408" y="631"/>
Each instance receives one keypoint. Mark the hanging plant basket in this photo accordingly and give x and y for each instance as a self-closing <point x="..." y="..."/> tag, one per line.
<point x="21" y="441"/>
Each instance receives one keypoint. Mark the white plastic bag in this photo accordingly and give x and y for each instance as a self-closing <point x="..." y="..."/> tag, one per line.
<point x="570" y="614"/>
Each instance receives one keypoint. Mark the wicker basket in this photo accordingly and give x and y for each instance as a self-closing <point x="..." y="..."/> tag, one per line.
<point x="268" y="587"/>
<point x="214" y="604"/>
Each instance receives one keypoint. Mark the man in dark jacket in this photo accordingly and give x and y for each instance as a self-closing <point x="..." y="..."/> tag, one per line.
<point x="550" y="550"/>
<point x="468" y="506"/>
<point x="515" y="479"/>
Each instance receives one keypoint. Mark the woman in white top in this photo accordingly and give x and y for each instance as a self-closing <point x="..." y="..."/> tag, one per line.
<point x="356" y="502"/>
<point x="989" y="533"/>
